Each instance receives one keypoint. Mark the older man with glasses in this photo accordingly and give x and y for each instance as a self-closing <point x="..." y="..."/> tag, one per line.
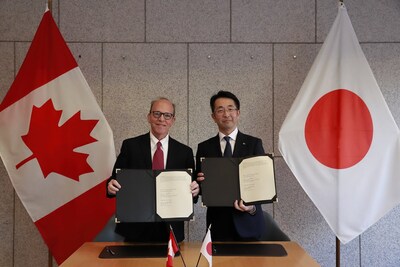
<point x="154" y="150"/>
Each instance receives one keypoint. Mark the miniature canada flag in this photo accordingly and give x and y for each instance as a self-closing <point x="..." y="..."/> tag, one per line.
<point x="172" y="249"/>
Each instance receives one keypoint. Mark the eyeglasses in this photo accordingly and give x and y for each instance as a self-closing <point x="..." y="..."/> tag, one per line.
<point x="167" y="115"/>
<point x="221" y="111"/>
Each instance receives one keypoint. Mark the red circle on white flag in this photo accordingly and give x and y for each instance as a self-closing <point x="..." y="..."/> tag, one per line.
<point x="209" y="248"/>
<point x="339" y="129"/>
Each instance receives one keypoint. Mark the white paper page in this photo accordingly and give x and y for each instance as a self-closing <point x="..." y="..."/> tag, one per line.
<point x="256" y="179"/>
<point x="174" y="198"/>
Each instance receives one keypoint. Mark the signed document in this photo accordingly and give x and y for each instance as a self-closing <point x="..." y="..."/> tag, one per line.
<point x="174" y="198"/>
<point x="251" y="179"/>
<point x="154" y="196"/>
<point x="256" y="179"/>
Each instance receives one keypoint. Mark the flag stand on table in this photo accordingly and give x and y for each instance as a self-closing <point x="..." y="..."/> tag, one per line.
<point x="206" y="248"/>
<point x="173" y="248"/>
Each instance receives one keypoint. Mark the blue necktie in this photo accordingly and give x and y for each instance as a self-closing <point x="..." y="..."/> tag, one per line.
<point x="228" y="148"/>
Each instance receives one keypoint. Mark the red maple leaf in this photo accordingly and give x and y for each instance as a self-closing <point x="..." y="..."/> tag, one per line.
<point x="53" y="145"/>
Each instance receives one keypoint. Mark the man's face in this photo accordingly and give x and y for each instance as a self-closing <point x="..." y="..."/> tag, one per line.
<point x="160" y="126"/>
<point x="225" y="115"/>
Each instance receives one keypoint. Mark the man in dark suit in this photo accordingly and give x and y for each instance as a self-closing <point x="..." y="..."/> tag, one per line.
<point x="239" y="222"/>
<point x="140" y="153"/>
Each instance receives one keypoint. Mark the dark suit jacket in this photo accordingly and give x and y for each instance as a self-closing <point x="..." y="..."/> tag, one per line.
<point x="228" y="223"/>
<point x="136" y="154"/>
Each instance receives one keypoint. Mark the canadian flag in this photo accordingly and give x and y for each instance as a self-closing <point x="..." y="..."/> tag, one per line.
<point x="340" y="139"/>
<point x="172" y="249"/>
<point x="56" y="144"/>
<point x="206" y="247"/>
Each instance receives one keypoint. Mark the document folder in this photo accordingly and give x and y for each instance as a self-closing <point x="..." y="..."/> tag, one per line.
<point x="153" y="196"/>
<point x="251" y="179"/>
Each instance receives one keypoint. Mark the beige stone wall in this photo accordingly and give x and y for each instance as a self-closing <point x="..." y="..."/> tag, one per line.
<point x="133" y="51"/>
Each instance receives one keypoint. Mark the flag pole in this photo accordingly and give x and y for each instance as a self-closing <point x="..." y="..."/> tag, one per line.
<point x="50" y="259"/>
<point x="337" y="252"/>
<point x="198" y="260"/>
<point x="180" y="253"/>
<point x="337" y="239"/>
<point x="50" y="5"/>
<point x="50" y="256"/>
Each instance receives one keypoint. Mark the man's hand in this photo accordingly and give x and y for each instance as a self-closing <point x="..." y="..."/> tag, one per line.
<point x="200" y="177"/>
<point x="195" y="188"/>
<point x="240" y="206"/>
<point x="113" y="187"/>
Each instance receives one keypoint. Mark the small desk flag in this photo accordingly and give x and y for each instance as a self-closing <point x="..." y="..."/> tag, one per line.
<point x="206" y="247"/>
<point x="172" y="249"/>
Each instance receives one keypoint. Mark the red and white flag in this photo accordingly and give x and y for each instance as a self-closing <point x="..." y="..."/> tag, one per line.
<point x="206" y="247"/>
<point x="56" y="144"/>
<point x="172" y="249"/>
<point x="340" y="139"/>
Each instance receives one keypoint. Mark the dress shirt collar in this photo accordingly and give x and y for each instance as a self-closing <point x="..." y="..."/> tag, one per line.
<point x="154" y="141"/>
<point x="232" y="141"/>
<point x="232" y="135"/>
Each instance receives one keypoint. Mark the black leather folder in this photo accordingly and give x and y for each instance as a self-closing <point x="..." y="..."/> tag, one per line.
<point x="221" y="186"/>
<point x="136" y="200"/>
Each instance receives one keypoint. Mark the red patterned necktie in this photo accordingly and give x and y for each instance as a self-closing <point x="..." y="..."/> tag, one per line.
<point x="158" y="158"/>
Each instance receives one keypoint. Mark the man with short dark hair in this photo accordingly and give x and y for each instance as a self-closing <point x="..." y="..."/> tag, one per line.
<point x="240" y="222"/>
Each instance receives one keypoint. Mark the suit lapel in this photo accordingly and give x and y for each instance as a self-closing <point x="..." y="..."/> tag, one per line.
<point x="147" y="151"/>
<point x="217" y="146"/>
<point x="240" y="149"/>
<point x="171" y="151"/>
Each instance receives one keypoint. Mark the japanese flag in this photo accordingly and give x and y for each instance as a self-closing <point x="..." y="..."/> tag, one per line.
<point x="206" y="248"/>
<point x="340" y="139"/>
<point x="56" y="144"/>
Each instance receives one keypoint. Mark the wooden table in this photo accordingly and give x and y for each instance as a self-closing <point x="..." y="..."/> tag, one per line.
<point x="88" y="256"/>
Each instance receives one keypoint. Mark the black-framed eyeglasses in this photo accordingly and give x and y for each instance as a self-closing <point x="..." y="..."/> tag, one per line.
<point x="167" y="115"/>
